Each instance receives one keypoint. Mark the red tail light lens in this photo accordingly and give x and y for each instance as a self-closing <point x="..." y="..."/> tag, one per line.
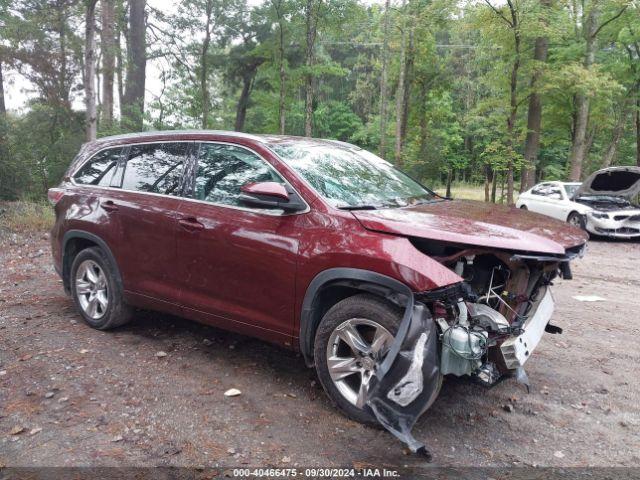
<point x="54" y="195"/>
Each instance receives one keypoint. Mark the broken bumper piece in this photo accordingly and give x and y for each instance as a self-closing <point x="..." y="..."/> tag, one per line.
<point x="408" y="380"/>
<point x="517" y="350"/>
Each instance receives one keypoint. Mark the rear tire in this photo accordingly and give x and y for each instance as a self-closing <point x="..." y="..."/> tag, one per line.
<point x="577" y="220"/>
<point x="372" y="318"/>
<point x="523" y="207"/>
<point x="96" y="291"/>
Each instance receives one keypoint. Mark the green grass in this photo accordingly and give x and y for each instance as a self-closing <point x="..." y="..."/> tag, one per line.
<point x="466" y="191"/>
<point x="26" y="217"/>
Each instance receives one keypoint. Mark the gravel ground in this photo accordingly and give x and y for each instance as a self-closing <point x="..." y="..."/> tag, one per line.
<point x="73" y="396"/>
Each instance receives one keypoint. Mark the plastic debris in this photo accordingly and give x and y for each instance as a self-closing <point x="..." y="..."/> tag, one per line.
<point x="589" y="298"/>
<point x="232" y="392"/>
<point x="16" y="430"/>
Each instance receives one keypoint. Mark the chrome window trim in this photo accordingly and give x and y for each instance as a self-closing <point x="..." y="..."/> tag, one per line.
<point x="195" y="142"/>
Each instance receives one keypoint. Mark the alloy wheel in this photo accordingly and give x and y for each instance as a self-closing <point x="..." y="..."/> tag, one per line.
<point x="354" y="348"/>
<point x="91" y="289"/>
<point x="575" y="221"/>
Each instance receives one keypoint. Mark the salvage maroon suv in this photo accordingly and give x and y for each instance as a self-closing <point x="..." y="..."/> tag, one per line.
<point x="316" y="245"/>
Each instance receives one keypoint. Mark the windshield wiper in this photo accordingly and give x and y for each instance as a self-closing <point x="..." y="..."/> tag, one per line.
<point x="425" y="202"/>
<point x="359" y="207"/>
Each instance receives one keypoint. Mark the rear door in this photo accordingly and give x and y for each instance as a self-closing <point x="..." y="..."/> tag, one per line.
<point x="236" y="264"/>
<point x="538" y="198"/>
<point x="146" y="206"/>
<point x="551" y="202"/>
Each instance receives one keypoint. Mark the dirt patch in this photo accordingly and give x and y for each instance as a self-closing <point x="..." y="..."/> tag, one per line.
<point x="73" y="396"/>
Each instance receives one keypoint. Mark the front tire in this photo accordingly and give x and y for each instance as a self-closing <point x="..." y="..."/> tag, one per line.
<point x="352" y="336"/>
<point x="577" y="220"/>
<point x="96" y="291"/>
<point x="523" y="207"/>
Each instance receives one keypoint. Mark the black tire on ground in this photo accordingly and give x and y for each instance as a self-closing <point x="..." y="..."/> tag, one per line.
<point x="117" y="312"/>
<point x="576" y="219"/>
<point x="365" y="306"/>
<point x="523" y="207"/>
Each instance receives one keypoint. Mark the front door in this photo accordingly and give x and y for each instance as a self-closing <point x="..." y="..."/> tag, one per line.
<point x="237" y="264"/>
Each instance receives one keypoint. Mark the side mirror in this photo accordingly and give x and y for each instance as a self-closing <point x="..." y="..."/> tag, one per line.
<point x="271" y="195"/>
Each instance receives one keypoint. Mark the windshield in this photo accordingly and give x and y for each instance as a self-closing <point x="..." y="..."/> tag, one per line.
<point x="571" y="189"/>
<point x="350" y="178"/>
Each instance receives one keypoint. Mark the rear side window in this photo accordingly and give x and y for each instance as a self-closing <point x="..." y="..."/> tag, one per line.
<point x="155" y="168"/>
<point x="99" y="170"/>
<point x="544" y="190"/>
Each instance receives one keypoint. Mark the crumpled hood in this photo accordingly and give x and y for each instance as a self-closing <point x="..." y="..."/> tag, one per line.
<point x="476" y="224"/>
<point x="615" y="181"/>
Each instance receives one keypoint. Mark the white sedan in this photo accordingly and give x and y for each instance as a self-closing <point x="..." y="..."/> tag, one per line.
<point x="602" y="205"/>
<point x="555" y="199"/>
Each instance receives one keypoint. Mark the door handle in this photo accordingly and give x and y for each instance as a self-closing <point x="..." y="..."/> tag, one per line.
<point x="191" y="224"/>
<point x="109" y="206"/>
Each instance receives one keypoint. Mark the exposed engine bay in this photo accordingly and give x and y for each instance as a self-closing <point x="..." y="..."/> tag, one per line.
<point x="485" y="328"/>
<point x="612" y="195"/>
<point x="490" y="324"/>
<point x="605" y="203"/>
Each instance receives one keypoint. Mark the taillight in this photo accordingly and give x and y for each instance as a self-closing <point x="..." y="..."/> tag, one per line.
<point x="54" y="195"/>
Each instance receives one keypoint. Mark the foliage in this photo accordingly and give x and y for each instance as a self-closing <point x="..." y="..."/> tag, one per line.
<point x="249" y="73"/>
<point x="25" y="216"/>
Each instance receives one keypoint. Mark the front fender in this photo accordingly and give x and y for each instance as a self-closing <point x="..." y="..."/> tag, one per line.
<point x="408" y="380"/>
<point x="358" y="279"/>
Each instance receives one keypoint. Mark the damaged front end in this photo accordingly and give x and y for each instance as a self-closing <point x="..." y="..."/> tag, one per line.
<point x="484" y="328"/>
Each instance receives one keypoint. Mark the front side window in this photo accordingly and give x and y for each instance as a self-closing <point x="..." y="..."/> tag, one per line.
<point x="224" y="169"/>
<point x="352" y="178"/>
<point x="99" y="170"/>
<point x="571" y="189"/>
<point x="155" y="168"/>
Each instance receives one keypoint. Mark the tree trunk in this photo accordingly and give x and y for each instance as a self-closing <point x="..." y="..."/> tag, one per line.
<point x="408" y="81"/>
<point x="107" y="43"/>
<point x="513" y="102"/>
<point x="119" y="69"/>
<point x="283" y="77"/>
<point x="312" y="24"/>
<point x="578" y="148"/>
<point x="91" y="117"/>
<point x="494" y="185"/>
<point x="204" y="66"/>
<point x="243" y="101"/>
<point x="618" y="131"/>
<point x="449" y="179"/>
<point x="384" y="74"/>
<point x="487" y="183"/>
<point x="534" y="115"/>
<point x="612" y="148"/>
<point x="63" y="91"/>
<point x="133" y="101"/>
<point x="3" y="108"/>
<point x="400" y="98"/>
<point x="638" y="129"/>
<point x="422" y="106"/>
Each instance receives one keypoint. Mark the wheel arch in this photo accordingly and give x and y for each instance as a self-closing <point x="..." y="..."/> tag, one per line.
<point x="335" y="284"/>
<point x="73" y="242"/>
<point x="576" y="212"/>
